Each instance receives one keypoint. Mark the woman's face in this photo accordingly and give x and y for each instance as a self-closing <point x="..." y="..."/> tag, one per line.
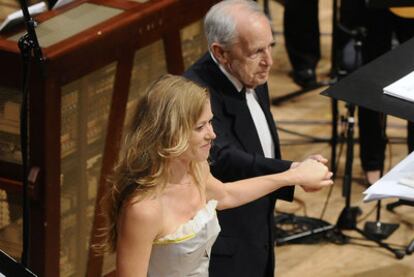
<point x="201" y="136"/>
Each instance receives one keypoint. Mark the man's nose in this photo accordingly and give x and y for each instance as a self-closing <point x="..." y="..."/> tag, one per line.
<point x="267" y="57"/>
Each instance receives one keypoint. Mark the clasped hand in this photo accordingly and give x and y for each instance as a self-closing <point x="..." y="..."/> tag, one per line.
<point x="313" y="174"/>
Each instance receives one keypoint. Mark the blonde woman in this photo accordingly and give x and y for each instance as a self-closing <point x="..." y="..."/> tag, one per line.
<point x="161" y="204"/>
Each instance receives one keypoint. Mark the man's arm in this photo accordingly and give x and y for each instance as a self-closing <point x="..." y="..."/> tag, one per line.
<point x="229" y="162"/>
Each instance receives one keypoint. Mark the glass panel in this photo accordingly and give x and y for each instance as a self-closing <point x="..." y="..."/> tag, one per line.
<point x="193" y="42"/>
<point x="11" y="224"/>
<point x="10" y="101"/>
<point x="149" y="65"/>
<point x="4" y="210"/>
<point x="85" y="110"/>
<point x="10" y="151"/>
<point x="108" y="264"/>
<point x="71" y="23"/>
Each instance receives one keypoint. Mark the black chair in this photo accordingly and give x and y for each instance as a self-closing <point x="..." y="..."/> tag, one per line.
<point x="11" y="268"/>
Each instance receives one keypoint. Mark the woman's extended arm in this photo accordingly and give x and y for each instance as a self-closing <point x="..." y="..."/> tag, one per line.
<point x="138" y="227"/>
<point x="310" y="174"/>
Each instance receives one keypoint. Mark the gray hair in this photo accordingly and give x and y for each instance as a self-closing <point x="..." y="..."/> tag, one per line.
<point x="220" y="24"/>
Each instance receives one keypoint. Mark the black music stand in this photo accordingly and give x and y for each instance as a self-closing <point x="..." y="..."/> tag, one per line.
<point x="386" y="4"/>
<point x="389" y="3"/>
<point x="320" y="226"/>
<point x="364" y="88"/>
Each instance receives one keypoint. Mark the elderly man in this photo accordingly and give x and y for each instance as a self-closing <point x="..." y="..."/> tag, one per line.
<point x="236" y="70"/>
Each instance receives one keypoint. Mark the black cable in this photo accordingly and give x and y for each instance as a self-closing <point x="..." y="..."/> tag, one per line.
<point x="304" y="122"/>
<point x="25" y="49"/>
<point x="311" y="138"/>
<point x="329" y="195"/>
<point x="28" y="45"/>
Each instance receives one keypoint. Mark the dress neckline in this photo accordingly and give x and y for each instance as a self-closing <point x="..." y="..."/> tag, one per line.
<point x="190" y="228"/>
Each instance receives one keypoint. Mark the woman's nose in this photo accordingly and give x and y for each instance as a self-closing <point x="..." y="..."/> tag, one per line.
<point x="210" y="133"/>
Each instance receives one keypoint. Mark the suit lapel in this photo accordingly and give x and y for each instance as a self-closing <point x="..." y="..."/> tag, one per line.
<point x="243" y="127"/>
<point x="235" y="105"/>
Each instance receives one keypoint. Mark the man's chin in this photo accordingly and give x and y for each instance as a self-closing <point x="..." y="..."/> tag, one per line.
<point x="261" y="81"/>
<point x="258" y="81"/>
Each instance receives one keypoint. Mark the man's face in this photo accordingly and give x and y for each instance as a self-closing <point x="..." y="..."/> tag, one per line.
<point x="249" y="59"/>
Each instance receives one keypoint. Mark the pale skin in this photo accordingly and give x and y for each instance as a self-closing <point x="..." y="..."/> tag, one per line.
<point x="142" y="222"/>
<point x="249" y="57"/>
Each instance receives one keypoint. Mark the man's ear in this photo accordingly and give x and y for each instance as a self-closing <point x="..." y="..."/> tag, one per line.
<point x="219" y="53"/>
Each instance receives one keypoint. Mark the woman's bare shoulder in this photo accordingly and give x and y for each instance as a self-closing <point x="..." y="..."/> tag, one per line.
<point x="144" y="211"/>
<point x="145" y="214"/>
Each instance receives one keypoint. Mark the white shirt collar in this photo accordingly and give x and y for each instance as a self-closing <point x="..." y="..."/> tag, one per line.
<point x="256" y="112"/>
<point x="236" y="83"/>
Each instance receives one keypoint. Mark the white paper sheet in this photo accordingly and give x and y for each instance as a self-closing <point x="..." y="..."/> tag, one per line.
<point x="17" y="16"/>
<point x="394" y="184"/>
<point x="60" y="3"/>
<point x="402" y="88"/>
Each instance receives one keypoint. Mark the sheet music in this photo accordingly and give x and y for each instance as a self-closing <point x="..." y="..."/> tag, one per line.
<point x="402" y="88"/>
<point x="397" y="183"/>
<point x="61" y="3"/>
<point x="17" y="16"/>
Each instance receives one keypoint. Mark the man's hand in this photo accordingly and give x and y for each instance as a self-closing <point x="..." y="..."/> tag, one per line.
<point x="316" y="157"/>
<point x="319" y="158"/>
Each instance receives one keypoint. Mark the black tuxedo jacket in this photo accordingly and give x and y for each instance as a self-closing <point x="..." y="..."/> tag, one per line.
<point x="245" y="244"/>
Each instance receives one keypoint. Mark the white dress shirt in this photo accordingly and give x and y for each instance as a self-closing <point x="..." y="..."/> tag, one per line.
<point x="256" y="113"/>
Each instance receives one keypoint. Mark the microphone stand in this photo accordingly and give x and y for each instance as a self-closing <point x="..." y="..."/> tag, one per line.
<point x="375" y="231"/>
<point x="28" y="45"/>
<point x="324" y="227"/>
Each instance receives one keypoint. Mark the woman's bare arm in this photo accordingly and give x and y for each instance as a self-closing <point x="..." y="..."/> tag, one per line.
<point x="310" y="174"/>
<point x="139" y="225"/>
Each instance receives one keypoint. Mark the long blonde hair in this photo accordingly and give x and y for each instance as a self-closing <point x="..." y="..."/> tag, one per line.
<point x="158" y="132"/>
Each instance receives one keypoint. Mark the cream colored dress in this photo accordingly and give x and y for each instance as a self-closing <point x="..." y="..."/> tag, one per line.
<point x="186" y="252"/>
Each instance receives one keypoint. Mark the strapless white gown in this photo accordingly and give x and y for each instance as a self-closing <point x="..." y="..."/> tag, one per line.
<point x="186" y="252"/>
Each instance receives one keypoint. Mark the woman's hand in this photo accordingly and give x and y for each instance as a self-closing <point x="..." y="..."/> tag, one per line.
<point x="312" y="175"/>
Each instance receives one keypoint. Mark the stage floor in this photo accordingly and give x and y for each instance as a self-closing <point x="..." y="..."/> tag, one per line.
<point x="310" y="116"/>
